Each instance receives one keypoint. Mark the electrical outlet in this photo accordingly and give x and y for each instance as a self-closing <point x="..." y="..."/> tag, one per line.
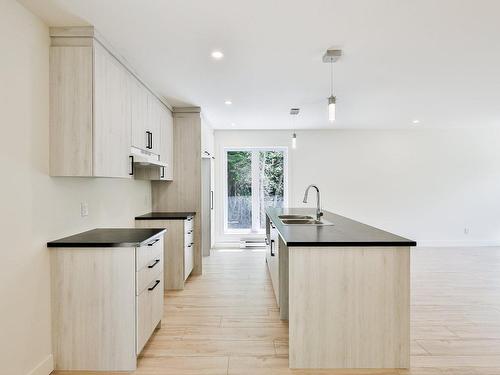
<point x="84" y="209"/>
<point x="466" y="230"/>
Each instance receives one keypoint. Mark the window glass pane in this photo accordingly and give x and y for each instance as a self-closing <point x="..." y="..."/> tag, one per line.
<point x="239" y="189"/>
<point x="271" y="170"/>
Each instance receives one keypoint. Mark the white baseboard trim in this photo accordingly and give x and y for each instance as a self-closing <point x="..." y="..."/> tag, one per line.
<point x="226" y="245"/>
<point x="44" y="368"/>
<point x="472" y="243"/>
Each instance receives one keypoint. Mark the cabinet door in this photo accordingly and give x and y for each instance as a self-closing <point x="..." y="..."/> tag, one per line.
<point x="188" y="260"/>
<point x="139" y="109"/>
<point x="153" y="123"/>
<point x="149" y="311"/>
<point x="112" y="116"/>
<point x="167" y="143"/>
<point x="273" y="262"/>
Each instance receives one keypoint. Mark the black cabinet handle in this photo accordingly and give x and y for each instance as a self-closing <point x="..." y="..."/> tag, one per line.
<point x="154" y="264"/>
<point x="211" y="199"/>
<point x="131" y="158"/>
<point x="149" y="140"/>
<point x="152" y="243"/>
<point x="272" y="248"/>
<point x="151" y="145"/>
<point x="162" y="172"/>
<point x="154" y="286"/>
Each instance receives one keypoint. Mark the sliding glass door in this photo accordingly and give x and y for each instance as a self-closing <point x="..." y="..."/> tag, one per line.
<point x="256" y="178"/>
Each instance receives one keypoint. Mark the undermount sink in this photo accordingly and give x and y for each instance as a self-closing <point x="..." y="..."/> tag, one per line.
<point x="305" y="222"/>
<point x="295" y="217"/>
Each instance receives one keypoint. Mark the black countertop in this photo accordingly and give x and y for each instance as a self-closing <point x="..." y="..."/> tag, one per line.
<point x="165" y="216"/>
<point x="343" y="232"/>
<point x="109" y="237"/>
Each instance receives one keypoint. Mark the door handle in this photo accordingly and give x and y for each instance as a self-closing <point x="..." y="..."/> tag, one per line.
<point x="154" y="264"/>
<point x="152" y="243"/>
<point x="154" y="286"/>
<point x="131" y="158"/>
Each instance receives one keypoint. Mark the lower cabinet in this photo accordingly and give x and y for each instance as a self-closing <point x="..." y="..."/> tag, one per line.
<point x="178" y="250"/>
<point x="106" y="302"/>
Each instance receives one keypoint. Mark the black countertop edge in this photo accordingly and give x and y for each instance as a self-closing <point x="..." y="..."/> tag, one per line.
<point x="109" y="237"/>
<point x="344" y="232"/>
<point x="350" y="244"/>
<point x="172" y="215"/>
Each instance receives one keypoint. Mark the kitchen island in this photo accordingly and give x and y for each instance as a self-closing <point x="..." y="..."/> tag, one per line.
<point x="345" y="289"/>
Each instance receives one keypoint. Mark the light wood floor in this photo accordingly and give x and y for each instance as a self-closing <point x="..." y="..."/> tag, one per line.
<point x="226" y="322"/>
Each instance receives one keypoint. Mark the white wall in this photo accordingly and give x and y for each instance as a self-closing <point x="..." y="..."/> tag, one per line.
<point x="35" y="208"/>
<point x="424" y="184"/>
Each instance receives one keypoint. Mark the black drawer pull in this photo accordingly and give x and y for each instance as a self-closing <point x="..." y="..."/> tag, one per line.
<point x="152" y="243"/>
<point x="272" y="248"/>
<point x="154" y="286"/>
<point x="131" y="173"/>
<point x="154" y="264"/>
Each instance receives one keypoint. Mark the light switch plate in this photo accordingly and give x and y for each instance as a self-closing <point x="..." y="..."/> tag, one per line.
<point x="84" y="209"/>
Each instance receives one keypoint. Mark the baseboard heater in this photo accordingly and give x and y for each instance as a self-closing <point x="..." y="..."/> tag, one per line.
<point x="246" y="243"/>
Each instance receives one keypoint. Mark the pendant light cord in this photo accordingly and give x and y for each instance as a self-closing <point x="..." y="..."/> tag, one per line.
<point x="331" y="78"/>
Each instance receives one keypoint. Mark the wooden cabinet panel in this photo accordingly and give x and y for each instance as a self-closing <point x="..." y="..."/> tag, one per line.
<point x="139" y="110"/>
<point x="188" y="260"/>
<point x="149" y="310"/>
<point x="112" y="116"/>
<point x="71" y="77"/>
<point x="153" y="123"/>
<point x="93" y="308"/>
<point x="273" y="262"/>
<point x="167" y="143"/>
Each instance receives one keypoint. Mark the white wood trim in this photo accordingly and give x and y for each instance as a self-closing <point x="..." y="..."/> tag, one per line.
<point x="45" y="367"/>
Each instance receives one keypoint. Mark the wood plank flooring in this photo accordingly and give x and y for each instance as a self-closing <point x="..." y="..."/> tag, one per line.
<point x="226" y="322"/>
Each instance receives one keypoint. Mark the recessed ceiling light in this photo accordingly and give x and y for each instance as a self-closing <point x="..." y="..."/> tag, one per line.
<point x="217" y="55"/>
<point x="233" y="124"/>
<point x="228" y="102"/>
<point x="416" y="121"/>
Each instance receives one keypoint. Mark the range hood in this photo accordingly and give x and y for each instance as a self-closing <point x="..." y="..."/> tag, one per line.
<point x="146" y="159"/>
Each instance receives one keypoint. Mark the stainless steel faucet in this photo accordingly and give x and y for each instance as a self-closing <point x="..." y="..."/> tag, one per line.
<point x="319" y="213"/>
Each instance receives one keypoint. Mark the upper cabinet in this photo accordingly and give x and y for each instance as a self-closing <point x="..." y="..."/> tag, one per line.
<point x="100" y="112"/>
<point x="207" y="140"/>
<point x="167" y="144"/>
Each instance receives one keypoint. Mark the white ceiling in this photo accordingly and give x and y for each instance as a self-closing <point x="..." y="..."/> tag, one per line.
<point x="437" y="61"/>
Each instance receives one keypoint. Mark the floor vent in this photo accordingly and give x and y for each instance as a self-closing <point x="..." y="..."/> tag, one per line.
<point x="246" y="243"/>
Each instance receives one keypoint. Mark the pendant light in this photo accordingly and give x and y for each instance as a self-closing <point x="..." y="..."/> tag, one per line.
<point x="331" y="56"/>
<point x="294" y="112"/>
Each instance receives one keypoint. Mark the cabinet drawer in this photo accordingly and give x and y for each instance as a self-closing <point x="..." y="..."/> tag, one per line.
<point x="146" y="254"/>
<point x="149" y="273"/>
<point x="188" y="238"/>
<point x="188" y="260"/>
<point x="188" y="224"/>
<point x="149" y="311"/>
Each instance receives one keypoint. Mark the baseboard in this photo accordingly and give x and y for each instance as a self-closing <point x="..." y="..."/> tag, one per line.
<point x="226" y="245"/>
<point x="472" y="243"/>
<point x="44" y="368"/>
